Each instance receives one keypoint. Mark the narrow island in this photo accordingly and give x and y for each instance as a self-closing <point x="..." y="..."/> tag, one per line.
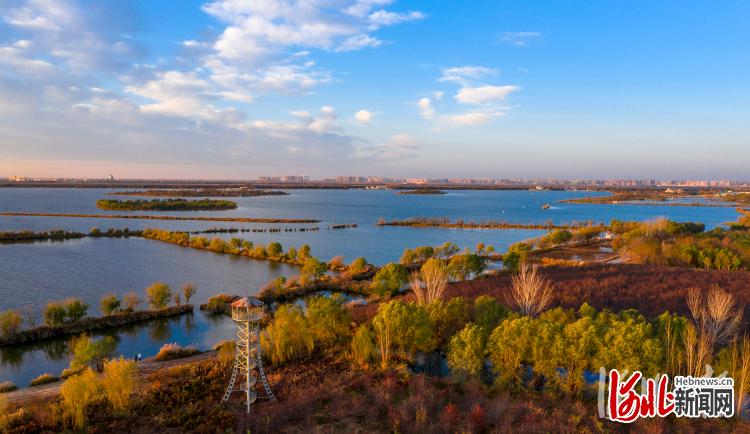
<point x="165" y="205"/>
<point x="201" y="192"/>
<point x="159" y="217"/>
<point x="666" y="198"/>
<point x="422" y="191"/>
<point x="442" y="222"/>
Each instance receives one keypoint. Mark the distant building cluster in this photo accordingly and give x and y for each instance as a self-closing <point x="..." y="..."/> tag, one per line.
<point x="30" y="179"/>
<point x="287" y="178"/>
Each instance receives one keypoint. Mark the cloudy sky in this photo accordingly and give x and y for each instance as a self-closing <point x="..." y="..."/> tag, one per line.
<point x="234" y="89"/>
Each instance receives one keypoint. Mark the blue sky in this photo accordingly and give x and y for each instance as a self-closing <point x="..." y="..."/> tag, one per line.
<point x="237" y="89"/>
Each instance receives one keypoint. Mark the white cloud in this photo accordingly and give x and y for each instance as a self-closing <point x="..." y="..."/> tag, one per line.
<point x="14" y="57"/>
<point x="192" y="43"/>
<point x="326" y="122"/>
<point x="519" y="39"/>
<point x="383" y="18"/>
<point x="483" y="94"/>
<point x="426" y="110"/>
<point x="361" y="8"/>
<point x="261" y="28"/>
<point x="363" y="116"/>
<point x="476" y="117"/>
<point x="75" y="82"/>
<point x="358" y="42"/>
<point x="463" y="74"/>
<point x="176" y="93"/>
<point x="46" y="15"/>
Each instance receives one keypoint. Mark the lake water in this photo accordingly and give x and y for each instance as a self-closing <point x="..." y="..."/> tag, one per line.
<point x="35" y="273"/>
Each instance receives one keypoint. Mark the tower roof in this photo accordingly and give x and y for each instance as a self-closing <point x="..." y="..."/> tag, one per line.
<point x="247" y="302"/>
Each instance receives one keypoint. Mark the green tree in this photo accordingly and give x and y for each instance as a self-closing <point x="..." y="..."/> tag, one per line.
<point x="54" y="314"/>
<point x="288" y="337"/>
<point x="574" y="351"/>
<point x="328" y="319"/>
<point x="467" y="350"/>
<point x="109" y="304"/>
<point x="75" y="309"/>
<point x="159" y="294"/>
<point x="558" y="237"/>
<point x="424" y="253"/>
<point x="509" y="346"/>
<point x="403" y="327"/>
<point x="92" y="352"/>
<point x="488" y="313"/>
<point x="465" y="265"/>
<point x="448" y="318"/>
<point x="274" y="250"/>
<point x="517" y="253"/>
<point x="390" y="279"/>
<point x="363" y="345"/>
<point x="357" y="266"/>
<point x="10" y="323"/>
<point x="314" y="269"/>
<point x="447" y="250"/>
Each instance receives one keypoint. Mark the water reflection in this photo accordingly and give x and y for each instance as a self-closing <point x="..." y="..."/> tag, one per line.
<point x="21" y="363"/>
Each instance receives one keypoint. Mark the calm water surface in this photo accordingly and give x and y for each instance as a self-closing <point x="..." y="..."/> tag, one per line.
<point x="33" y="274"/>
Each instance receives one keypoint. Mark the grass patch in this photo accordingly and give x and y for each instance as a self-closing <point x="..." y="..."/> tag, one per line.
<point x="175" y="351"/>
<point x="7" y="386"/>
<point x="43" y="379"/>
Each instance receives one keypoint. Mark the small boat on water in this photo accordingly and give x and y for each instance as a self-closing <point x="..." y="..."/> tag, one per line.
<point x="545" y="206"/>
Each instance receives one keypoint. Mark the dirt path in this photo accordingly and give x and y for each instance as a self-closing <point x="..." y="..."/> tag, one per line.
<point x="145" y="368"/>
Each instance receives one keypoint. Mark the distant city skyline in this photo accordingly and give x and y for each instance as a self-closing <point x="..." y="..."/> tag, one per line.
<point x="235" y="89"/>
<point x="373" y="180"/>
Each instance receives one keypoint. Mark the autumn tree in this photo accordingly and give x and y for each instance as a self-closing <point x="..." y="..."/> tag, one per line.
<point x="188" y="291"/>
<point x="119" y="381"/>
<point x="530" y="292"/>
<point x="159" y="294"/>
<point x="109" y="304"/>
<point x="10" y="323"/>
<point x="428" y="285"/>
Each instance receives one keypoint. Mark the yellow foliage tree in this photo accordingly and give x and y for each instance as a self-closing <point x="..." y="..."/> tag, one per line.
<point x="120" y="381"/>
<point x="77" y="393"/>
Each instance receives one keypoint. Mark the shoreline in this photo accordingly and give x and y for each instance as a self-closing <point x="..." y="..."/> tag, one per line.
<point x="89" y="324"/>
<point x="159" y="217"/>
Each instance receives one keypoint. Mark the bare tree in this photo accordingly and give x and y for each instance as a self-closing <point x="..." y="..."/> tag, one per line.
<point x="531" y="291"/>
<point x="429" y="283"/>
<point x="716" y="318"/>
